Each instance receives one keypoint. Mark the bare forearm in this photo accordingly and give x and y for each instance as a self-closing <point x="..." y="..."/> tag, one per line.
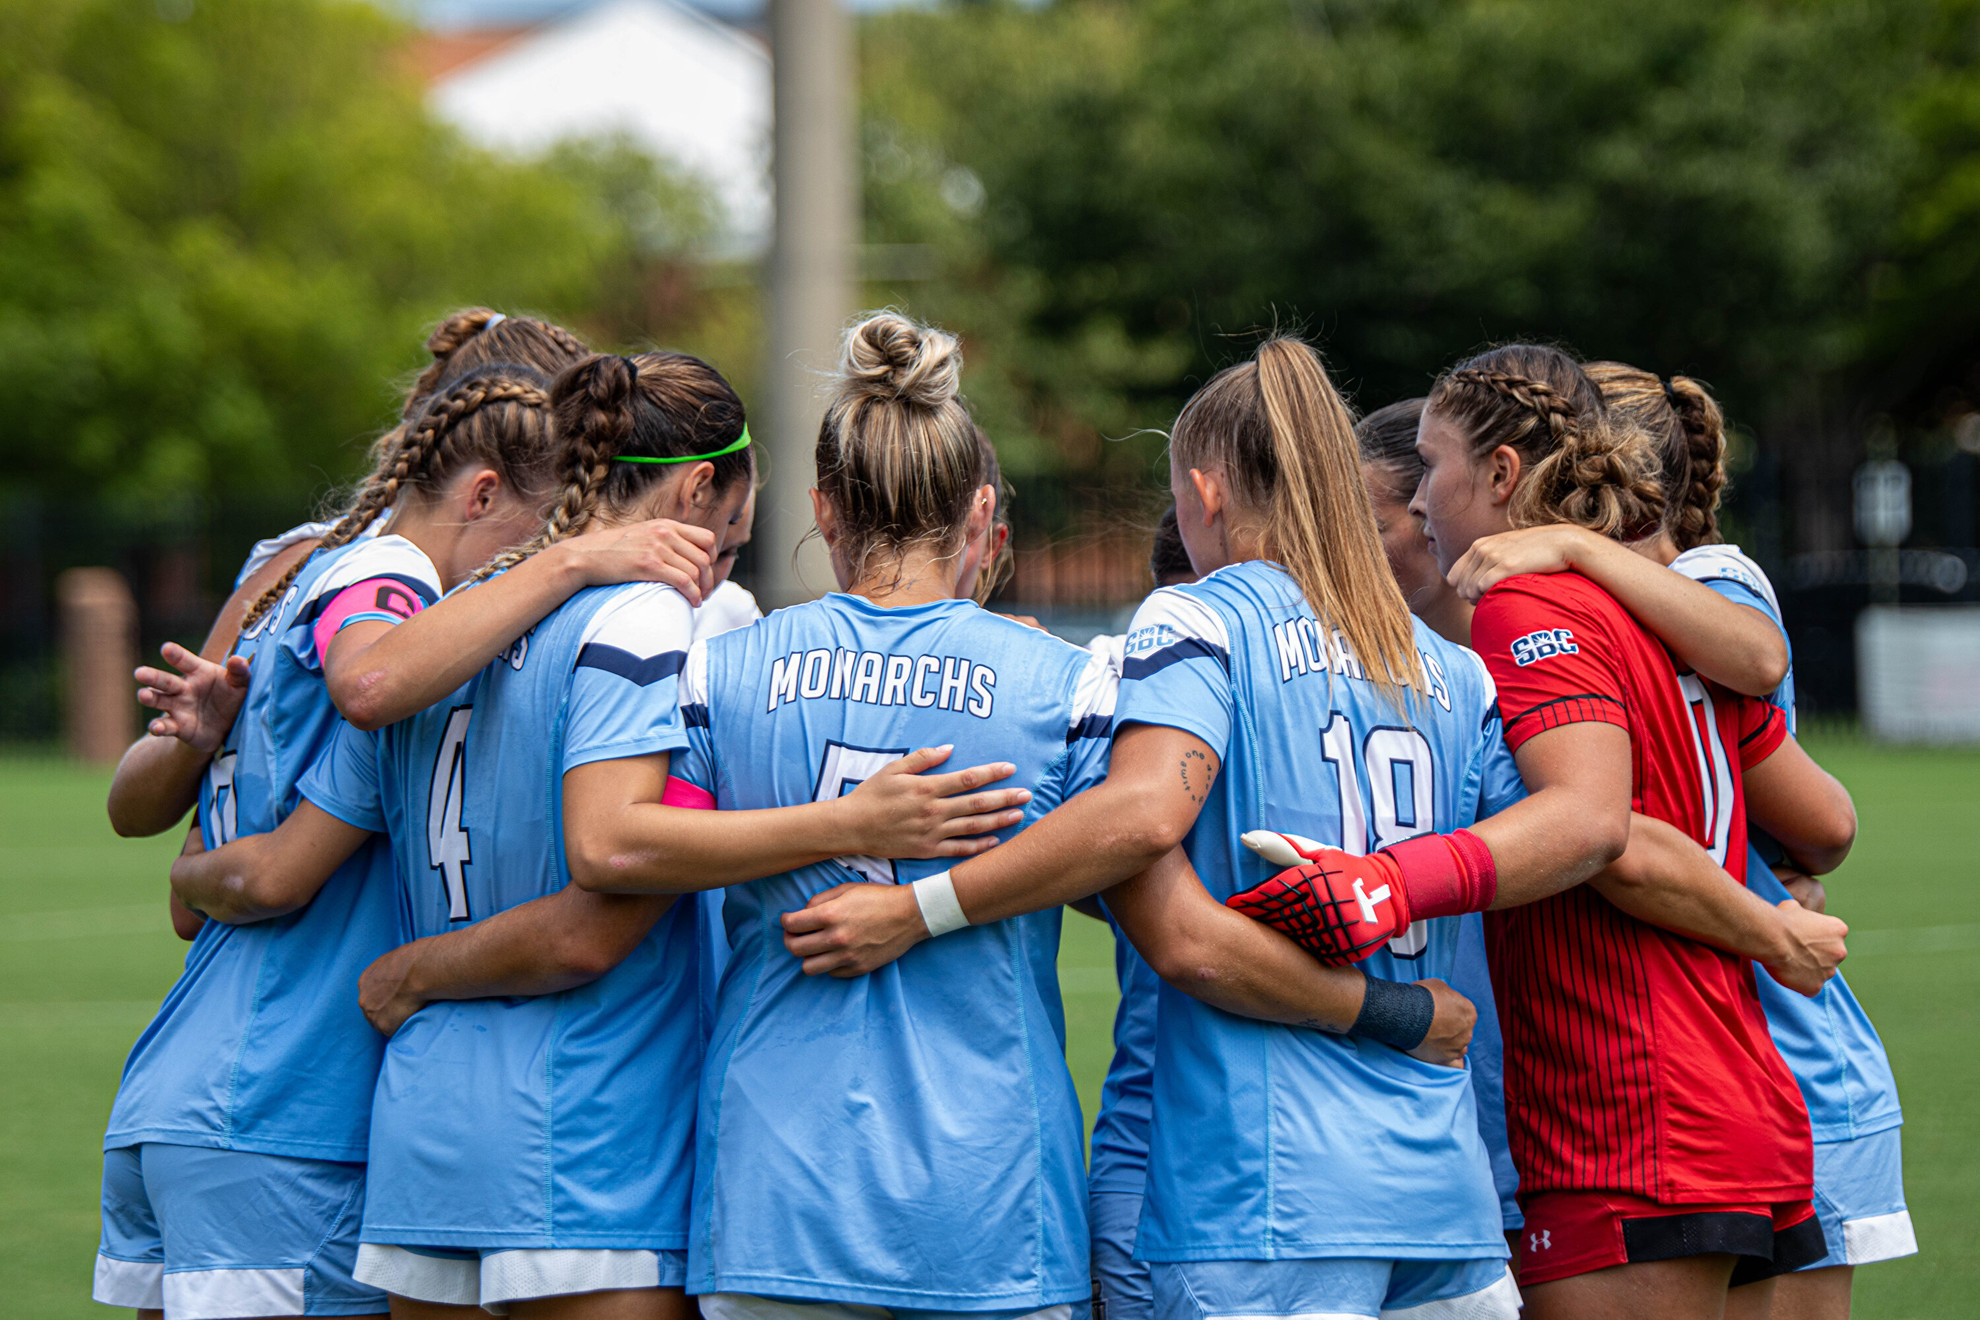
<point x="1724" y="641"/>
<point x="1666" y="880"/>
<point x="1091" y="843"/>
<point x="541" y="947"/>
<point x="413" y="664"/>
<point x="156" y="784"/>
<point x="1240" y="966"/>
<point x="1544" y="844"/>
<point x="654" y="849"/>
<point x="228" y="884"/>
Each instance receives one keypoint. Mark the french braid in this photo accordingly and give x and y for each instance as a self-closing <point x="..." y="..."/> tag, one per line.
<point x="1582" y="467"/>
<point x="434" y="446"/>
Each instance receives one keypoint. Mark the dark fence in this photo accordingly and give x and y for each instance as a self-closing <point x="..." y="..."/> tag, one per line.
<point x="1081" y="564"/>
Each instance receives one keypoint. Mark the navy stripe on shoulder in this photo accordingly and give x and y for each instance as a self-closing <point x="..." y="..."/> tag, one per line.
<point x="695" y="715"/>
<point x="639" y="669"/>
<point x="309" y="613"/>
<point x="1093" y="726"/>
<point x="1189" y="648"/>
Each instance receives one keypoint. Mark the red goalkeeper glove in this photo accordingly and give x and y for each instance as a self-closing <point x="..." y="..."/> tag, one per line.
<point x="1341" y="908"/>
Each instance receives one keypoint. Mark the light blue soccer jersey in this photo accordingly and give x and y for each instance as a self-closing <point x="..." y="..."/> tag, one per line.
<point x="1271" y="1142"/>
<point x="911" y="1138"/>
<point x="561" y="1120"/>
<point x="260" y="1046"/>
<point x="1828" y="1042"/>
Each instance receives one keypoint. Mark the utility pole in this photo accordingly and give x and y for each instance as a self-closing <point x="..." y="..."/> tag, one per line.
<point x="811" y="277"/>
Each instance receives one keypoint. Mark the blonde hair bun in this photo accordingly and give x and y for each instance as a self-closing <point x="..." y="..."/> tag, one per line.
<point x="891" y="357"/>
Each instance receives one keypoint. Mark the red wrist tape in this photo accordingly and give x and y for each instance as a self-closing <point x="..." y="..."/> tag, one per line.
<point x="1446" y="873"/>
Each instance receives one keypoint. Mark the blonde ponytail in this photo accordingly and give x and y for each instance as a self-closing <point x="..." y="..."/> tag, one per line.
<point x="1278" y="430"/>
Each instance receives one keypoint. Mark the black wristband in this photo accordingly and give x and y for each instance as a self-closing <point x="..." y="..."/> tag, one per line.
<point x="1396" y="1013"/>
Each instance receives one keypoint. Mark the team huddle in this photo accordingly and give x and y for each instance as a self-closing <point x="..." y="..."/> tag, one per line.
<point x="570" y="940"/>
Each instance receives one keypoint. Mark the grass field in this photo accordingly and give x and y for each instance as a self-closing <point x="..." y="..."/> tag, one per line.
<point x="88" y="954"/>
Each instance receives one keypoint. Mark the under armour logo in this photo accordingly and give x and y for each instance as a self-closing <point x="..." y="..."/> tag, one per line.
<point x="1541" y="1241"/>
<point x="1368" y="901"/>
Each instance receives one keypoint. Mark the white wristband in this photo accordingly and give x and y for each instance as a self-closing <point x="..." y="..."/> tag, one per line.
<point x="936" y="897"/>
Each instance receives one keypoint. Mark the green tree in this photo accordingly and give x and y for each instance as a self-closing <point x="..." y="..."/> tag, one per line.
<point x="1693" y="185"/>
<point x="225" y="223"/>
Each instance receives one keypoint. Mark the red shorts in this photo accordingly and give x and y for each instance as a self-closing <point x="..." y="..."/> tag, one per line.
<point x="1576" y="1232"/>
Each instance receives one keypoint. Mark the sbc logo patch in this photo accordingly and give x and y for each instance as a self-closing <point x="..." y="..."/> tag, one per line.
<point x="1542" y="644"/>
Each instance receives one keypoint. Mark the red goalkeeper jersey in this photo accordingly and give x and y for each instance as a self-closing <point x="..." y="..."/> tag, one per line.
<point x="1636" y="1060"/>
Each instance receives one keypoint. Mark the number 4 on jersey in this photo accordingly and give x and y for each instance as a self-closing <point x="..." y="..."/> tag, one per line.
<point x="447" y="849"/>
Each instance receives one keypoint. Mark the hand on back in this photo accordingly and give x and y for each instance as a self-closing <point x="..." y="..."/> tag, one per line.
<point x="902" y="812"/>
<point x="658" y="550"/>
<point x="199" y="702"/>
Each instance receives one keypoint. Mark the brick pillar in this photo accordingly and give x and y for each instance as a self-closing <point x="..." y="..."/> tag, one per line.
<point x="99" y="651"/>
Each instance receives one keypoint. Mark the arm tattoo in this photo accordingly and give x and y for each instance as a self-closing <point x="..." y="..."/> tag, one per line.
<point x="1200" y="770"/>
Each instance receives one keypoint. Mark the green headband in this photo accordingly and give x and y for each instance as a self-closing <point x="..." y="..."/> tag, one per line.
<point x="742" y="442"/>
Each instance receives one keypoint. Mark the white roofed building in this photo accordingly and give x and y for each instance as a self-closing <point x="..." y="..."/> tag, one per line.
<point x="686" y="87"/>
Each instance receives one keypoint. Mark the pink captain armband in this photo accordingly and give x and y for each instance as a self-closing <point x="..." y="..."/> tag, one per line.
<point x="680" y="793"/>
<point x="381" y="598"/>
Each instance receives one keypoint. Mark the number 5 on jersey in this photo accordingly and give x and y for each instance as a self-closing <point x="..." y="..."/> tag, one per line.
<point x="447" y="849"/>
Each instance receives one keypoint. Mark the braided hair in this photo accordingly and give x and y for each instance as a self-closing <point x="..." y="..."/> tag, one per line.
<point x="607" y="408"/>
<point x="1582" y="466"/>
<point x="495" y="415"/>
<point x="1690" y="434"/>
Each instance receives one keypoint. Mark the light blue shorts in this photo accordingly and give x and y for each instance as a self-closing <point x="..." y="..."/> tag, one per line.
<point x="496" y="1276"/>
<point x="217" y="1234"/>
<point x="1123" y="1280"/>
<point x="1347" y="1289"/>
<point x="1859" y="1199"/>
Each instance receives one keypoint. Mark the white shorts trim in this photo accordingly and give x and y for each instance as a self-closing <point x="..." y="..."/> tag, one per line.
<point x="138" y="1284"/>
<point x="747" y="1306"/>
<point x="1298" y="1315"/>
<point x="233" y="1293"/>
<point x="514" y="1276"/>
<point x="447" y="1280"/>
<point x="1879" y="1237"/>
<point x="1499" y="1301"/>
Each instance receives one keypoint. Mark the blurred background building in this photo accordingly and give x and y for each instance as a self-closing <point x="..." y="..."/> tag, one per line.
<point x="225" y="225"/>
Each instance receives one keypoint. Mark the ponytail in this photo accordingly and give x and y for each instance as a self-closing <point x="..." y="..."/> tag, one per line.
<point x="1277" y="429"/>
<point x="1582" y="466"/>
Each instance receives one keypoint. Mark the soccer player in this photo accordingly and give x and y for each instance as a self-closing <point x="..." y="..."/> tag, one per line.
<point x="1662" y="1146"/>
<point x="562" y="1028"/>
<point x="1827" y="1041"/>
<point x="1391" y="470"/>
<point x="233" y="1164"/>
